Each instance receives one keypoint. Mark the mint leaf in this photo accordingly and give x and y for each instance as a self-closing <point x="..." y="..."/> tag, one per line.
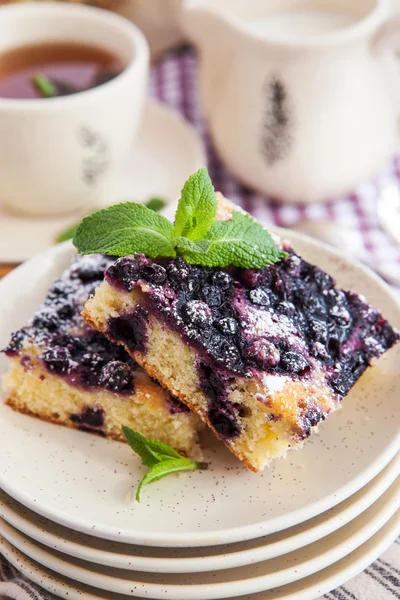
<point x="160" y="457"/>
<point x="123" y="229"/>
<point x="167" y="467"/>
<point x="155" y="204"/>
<point x="183" y="245"/>
<point x="67" y="234"/>
<point x="46" y="87"/>
<point x="239" y="242"/>
<point x="197" y="207"/>
<point x="150" y="451"/>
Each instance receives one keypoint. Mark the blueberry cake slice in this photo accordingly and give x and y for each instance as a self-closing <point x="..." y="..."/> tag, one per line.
<point x="262" y="356"/>
<point x="63" y="371"/>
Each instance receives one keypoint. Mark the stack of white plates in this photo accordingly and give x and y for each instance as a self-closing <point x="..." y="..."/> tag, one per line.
<point x="305" y="525"/>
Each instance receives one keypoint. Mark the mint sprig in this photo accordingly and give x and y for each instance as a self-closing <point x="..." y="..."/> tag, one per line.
<point x="161" y="458"/>
<point x="197" y="207"/>
<point x="47" y="88"/>
<point x="131" y="228"/>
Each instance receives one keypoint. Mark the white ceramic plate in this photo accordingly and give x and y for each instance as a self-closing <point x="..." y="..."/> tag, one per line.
<point x="166" y="151"/>
<point x="308" y="588"/>
<point x="86" y="483"/>
<point x="221" y="584"/>
<point x="194" y="560"/>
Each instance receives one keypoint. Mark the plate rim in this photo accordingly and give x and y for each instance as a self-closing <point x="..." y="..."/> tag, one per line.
<point x="227" y="535"/>
<point x="386" y="536"/>
<point x="214" y="562"/>
<point x="389" y="506"/>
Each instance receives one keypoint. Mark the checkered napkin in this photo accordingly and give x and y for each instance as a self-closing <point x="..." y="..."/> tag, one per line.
<point x="175" y="82"/>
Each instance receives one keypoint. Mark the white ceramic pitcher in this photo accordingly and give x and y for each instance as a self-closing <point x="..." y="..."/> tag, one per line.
<point x="300" y="95"/>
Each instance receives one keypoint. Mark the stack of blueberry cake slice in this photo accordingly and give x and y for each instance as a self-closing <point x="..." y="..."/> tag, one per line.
<point x="262" y="356"/>
<point x="63" y="371"/>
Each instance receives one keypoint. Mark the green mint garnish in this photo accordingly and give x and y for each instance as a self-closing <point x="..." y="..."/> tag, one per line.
<point x="67" y="234"/>
<point x="197" y="207"/>
<point x="126" y="228"/>
<point x="46" y="87"/>
<point x="161" y="458"/>
<point x="241" y="242"/>
<point x="155" y="204"/>
<point x="131" y="228"/>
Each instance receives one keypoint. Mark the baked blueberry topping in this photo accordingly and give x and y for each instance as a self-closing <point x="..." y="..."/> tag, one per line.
<point x="117" y="377"/>
<point x="175" y="406"/>
<point x="223" y="414"/>
<point x="283" y="319"/>
<point x="91" y="418"/>
<point x="58" y="360"/>
<point x="130" y="329"/>
<point x="70" y="349"/>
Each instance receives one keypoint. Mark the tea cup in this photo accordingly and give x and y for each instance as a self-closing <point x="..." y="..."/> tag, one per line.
<point x="64" y="154"/>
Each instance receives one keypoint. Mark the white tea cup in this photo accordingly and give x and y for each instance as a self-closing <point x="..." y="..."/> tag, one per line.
<point x="63" y="154"/>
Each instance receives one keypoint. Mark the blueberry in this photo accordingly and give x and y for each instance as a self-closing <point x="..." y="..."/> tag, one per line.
<point x="342" y="382"/>
<point x="259" y="297"/>
<point x="90" y="417"/>
<point x="46" y="319"/>
<point x="231" y="357"/>
<point x="58" y="360"/>
<point x="227" y="325"/>
<point x="224" y="423"/>
<point x="317" y="331"/>
<point x="196" y="313"/>
<point x="340" y="314"/>
<point x="300" y="298"/>
<point x="178" y="270"/>
<point x="315" y="305"/>
<point x="116" y="376"/>
<point x="293" y="362"/>
<point x="92" y="360"/>
<point x="60" y="289"/>
<point x="323" y="280"/>
<point x="222" y="280"/>
<point x="262" y="353"/>
<point x="212" y="295"/>
<point x="292" y="265"/>
<point x="153" y="273"/>
<point x="193" y="285"/>
<point x="64" y="309"/>
<point x="334" y="296"/>
<point x="125" y="271"/>
<point x="91" y="268"/>
<point x="372" y="346"/>
<point x="16" y="342"/>
<point x="286" y="308"/>
<point x="318" y="350"/>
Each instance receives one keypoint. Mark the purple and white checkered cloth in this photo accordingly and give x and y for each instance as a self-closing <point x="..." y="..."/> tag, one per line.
<point x="175" y="82"/>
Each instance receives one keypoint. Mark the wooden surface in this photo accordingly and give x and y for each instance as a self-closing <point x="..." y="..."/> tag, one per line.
<point x="4" y="269"/>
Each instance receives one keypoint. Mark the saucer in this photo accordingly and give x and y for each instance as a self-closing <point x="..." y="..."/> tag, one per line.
<point x="166" y="151"/>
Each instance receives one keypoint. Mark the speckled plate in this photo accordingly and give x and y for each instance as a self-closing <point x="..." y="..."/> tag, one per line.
<point x="87" y="483"/>
<point x="221" y="584"/>
<point x="308" y="588"/>
<point x="194" y="560"/>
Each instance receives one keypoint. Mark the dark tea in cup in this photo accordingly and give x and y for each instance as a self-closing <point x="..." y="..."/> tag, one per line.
<point x="55" y="69"/>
